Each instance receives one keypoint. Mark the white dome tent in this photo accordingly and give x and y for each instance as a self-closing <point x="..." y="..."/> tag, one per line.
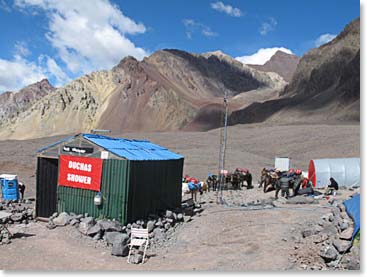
<point x="346" y="172"/>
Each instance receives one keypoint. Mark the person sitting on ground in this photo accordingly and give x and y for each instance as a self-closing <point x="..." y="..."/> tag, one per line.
<point x="332" y="187"/>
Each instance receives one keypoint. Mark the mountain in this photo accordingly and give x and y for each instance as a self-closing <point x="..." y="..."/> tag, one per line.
<point x="325" y="87"/>
<point x="169" y="90"/>
<point x="282" y="63"/>
<point x="14" y="103"/>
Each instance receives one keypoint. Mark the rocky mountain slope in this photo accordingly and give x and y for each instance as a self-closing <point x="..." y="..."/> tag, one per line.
<point x="282" y="63"/>
<point x="325" y="87"/>
<point x="14" y="103"/>
<point x="167" y="91"/>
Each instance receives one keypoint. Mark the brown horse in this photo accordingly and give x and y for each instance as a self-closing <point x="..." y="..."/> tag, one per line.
<point x="270" y="181"/>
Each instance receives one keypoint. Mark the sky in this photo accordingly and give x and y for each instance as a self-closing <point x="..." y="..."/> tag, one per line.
<point x="62" y="40"/>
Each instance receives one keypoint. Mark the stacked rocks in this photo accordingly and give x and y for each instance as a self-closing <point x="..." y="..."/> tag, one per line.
<point x="328" y="244"/>
<point x="161" y="227"/>
<point x="16" y="213"/>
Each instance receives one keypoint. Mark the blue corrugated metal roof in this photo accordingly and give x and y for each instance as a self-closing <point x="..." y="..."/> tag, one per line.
<point x="55" y="143"/>
<point x="132" y="149"/>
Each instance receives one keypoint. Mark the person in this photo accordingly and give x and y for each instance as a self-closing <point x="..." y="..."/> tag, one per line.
<point x="21" y="187"/>
<point x="332" y="187"/>
<point x="305" y="186"/>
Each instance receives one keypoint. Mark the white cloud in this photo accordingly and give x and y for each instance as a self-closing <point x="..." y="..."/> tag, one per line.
<point x="325" y="38"/>
<point x="228" y="9"/>
<point x="88" y="36"/>
<point x="268" y="26"/>
<point x="51" y="67"/>
<point x="18" y="73"/>
<point x="21" y="49"/>
<point x="262" y="55"/>
<point x="193" y="26"/>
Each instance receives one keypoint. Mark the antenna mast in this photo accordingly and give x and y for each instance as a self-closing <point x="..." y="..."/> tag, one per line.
<point x="222" y="151"/>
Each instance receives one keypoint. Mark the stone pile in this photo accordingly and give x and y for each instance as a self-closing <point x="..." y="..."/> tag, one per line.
<point x="161" y="228"/>
<point x="5" y="235"/>
<point x="328" y="244"/>
<point x="13" y="213"/>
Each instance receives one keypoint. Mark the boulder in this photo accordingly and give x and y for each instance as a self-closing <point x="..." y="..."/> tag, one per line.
<point x="120" y="249"/>
<point x="187" y="218"/>
<point x="158" y="234"/>
<point x="30" y="213"/>
<point x="320" y="238"/>
<point x="85" y="224"/>
<point x="137" y="258"/>
<point x="328" y="253"/>
<point x="169" y="214"/>
<point x="341" y="207"/>
<point x="110" y="226"/>
<point x="93" y="230"/>
<point x="343" y="226"/>
<point x="347" y="234"/>
<point x="342" y="245"/>
<point x="116" y="237"/>
<point x="17" y="217"/>
<point x="179" y="217"/>
<point x="312" y="231"/>
<point x="336" y="212"/>
<point x="150" y="226"/>
<point x="167" y="226"/>
<point x="337" y="220"/>
<point x="62" y="219"/>
<point x="73" y="222"/>
<point x="97" y="236"/>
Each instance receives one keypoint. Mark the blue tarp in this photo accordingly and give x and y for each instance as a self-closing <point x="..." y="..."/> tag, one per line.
<point x="135" y="150"/>
<point x="352" y="207"/>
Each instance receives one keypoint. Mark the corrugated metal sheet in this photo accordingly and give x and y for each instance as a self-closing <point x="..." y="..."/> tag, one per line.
<point x="135" y="150"/>
<point x="47" y="173"/>
<point x="345" y="171"/>
<point x="55" y="143"/>
<point x="154" y="186"/>
<point x="114" y="188"/>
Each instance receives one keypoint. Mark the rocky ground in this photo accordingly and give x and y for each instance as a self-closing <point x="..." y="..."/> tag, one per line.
<point x="250" y="231"/>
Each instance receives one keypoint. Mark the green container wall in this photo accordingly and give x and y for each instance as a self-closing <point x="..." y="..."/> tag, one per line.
<point x="154" y="186"/>
<point x="114" y="189"/>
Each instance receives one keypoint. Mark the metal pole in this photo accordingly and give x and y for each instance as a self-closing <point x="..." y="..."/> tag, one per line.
<point x="223" y="145"/>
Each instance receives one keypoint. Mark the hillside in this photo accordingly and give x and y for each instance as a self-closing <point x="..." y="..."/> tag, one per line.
<point x="168" y="90"/>
<point x="13" y="103"/>
<point x="282" y="63"/>
<point x="325" y="87"/>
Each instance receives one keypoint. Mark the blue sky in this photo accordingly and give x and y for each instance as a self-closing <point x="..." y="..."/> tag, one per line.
<point x="61" y="40"/>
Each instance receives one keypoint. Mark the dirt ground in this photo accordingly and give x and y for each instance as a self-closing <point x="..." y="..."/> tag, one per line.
<point x="222" y="237"/>
<point x="253" y="146"/>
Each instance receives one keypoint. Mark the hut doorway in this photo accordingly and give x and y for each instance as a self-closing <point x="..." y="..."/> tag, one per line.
<point x="47" y="173"/>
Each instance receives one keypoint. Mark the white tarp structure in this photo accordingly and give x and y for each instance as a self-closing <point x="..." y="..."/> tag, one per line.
<point x="346" y="172"/>
<point x="283" y="163"/>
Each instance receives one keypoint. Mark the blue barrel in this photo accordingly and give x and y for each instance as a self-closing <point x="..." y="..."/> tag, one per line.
<point x="9" y="187"/>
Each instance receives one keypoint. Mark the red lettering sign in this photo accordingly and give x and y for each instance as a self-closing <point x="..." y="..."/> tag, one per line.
<point x="80" y="172"/>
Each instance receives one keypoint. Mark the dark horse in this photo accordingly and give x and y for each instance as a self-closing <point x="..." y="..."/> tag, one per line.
<point x="212" y="182"/>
